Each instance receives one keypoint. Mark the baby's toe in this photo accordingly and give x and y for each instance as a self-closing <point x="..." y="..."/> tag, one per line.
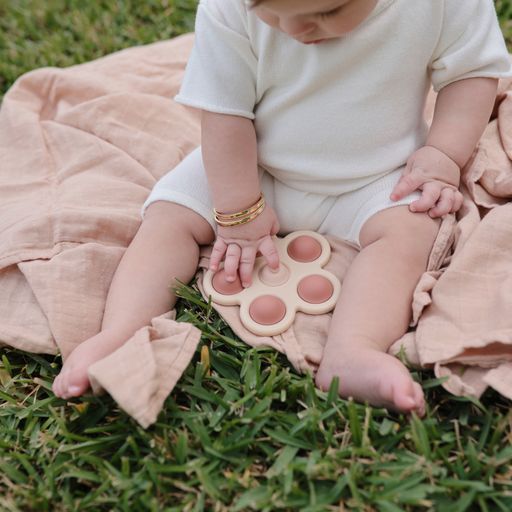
<point x="420" y="399"/>
<point x="64" y="384"/>
<point x="77" y="388"/>
<point x="404" y="397"/>
<point x="56" y="386"/>
<point x="60" y="386"/>
<point x="405" y="403"/>
<point x="75" y="381"/>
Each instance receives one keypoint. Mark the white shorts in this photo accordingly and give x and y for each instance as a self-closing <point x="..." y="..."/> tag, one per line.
<point x="342" y="216"/>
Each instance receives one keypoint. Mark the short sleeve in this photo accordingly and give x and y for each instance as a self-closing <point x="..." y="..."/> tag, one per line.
<point x="470" y="45"/>
<point x="221" y="71"/>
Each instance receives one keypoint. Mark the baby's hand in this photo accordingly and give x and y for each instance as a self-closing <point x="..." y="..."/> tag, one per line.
<point x="238" y="246"/>
<point x="437" y="176"/>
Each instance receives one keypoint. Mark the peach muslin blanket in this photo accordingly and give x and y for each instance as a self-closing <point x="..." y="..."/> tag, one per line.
<point x="80" y="149"/>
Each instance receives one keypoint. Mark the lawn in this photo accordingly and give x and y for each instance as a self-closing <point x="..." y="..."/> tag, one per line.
<point x="242" y="430"/>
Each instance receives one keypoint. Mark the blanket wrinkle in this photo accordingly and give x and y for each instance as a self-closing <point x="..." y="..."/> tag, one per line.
<point x="462" y="380"/>
<point x="90" y="267"/>
<point x="33" y="334"/>
<point x="148" y="365"/>
<point x="500" y="378"/>
<point x="80" y="150"/>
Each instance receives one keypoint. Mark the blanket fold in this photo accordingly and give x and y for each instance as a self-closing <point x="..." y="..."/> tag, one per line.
<point x="148" y="366"/>
<point x="80" y="150"/>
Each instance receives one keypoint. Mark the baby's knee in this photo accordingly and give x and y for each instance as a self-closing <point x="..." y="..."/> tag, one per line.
<point x="406" y="231"/>
<point x="172" y="218"/>
<point x="418" y="229"/>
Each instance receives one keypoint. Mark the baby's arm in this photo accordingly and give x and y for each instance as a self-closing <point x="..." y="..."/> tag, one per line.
<point x="230" y="157"/>
<point x="461" y="114"/>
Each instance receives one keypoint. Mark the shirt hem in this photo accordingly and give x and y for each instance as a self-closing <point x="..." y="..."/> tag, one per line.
<point x="213" y="108"/>
<point x="498" y="76"/>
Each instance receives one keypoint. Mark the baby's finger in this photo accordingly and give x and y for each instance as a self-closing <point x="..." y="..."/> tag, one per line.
<point x="429" y="197"/>
<point x="275" y="227"/>
<point x="457" y="202"/>
<point x="269" y="252"/>
<point x="247" y="265"/>
<point x="231" y="262"/>
<point x="406" y="185"/>
<point x="218" y="251"/>
<point x="445" y="203"/>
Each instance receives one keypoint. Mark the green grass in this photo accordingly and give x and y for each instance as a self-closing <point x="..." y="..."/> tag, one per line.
<point x="64" y="32"/>
<point x="242" y="430"/>
<point x="504" y="9"/>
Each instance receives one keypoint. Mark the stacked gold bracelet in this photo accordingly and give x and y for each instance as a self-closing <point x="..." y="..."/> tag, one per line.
<point x="241" y="217"/>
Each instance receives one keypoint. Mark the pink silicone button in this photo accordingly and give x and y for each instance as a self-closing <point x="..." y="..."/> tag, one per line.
<point x="315" y="289"/>
<point x="226" y="288"/>
<point x="304" y="248"/>
<point x="267" y="310"/>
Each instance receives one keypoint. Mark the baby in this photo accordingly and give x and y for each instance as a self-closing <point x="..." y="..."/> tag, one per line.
<point x="312" y="118"/>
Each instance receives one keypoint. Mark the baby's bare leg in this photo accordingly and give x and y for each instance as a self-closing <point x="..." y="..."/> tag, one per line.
<point x="165" y="248"/>
<point x="374" y="311"/>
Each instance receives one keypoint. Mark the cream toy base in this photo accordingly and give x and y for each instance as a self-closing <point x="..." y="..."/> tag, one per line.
<point x="268" y="306"/>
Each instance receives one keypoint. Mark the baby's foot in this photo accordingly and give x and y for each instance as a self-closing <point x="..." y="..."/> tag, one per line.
<point x="73" y="379"/>
<point x="369" y="375"/>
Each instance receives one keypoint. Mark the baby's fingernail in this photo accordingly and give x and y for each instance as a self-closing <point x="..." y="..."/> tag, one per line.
<point x="245" y="284"/>
<point x="412" y="208"/>
<point x="230" y="279"/>
<point x="73" y="390"/>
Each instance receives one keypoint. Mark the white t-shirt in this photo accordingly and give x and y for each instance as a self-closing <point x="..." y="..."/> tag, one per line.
<point x="335" y="116"/>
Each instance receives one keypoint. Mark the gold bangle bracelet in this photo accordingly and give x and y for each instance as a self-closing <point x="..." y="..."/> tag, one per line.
<point x="258" y="209"/>
<point x="241" y="220"/>
<point x="247" y="211"/>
